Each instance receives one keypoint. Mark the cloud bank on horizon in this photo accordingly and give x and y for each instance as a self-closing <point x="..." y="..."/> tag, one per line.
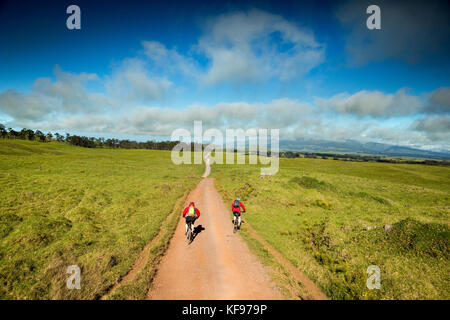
<point x="283" y="65"/>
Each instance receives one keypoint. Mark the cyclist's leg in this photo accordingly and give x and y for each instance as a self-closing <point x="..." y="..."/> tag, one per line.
<point x="236" y="216"/>
<point x="239" y="221"/>
<point x="187" y="224"/>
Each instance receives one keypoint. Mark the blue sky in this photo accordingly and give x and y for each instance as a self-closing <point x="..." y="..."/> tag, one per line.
<point x="312" y="69"/>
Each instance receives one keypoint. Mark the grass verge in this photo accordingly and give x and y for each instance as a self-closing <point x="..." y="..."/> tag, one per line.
<point x="328" y="219"/>
<point x="62" y="205"/>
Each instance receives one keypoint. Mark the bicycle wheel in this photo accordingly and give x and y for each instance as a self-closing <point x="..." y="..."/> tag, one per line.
<point x="190" y="235"/>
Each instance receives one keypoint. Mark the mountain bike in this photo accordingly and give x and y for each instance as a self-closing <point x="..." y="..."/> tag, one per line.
<point x="236" y="225"/>
<point x="190" y="233"/>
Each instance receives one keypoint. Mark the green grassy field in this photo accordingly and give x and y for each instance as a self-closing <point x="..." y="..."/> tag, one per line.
<point x="96" y="208"/>
<point x="327" y="218"/>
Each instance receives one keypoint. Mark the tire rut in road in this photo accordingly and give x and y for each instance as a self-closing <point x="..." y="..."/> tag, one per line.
<point x="217" y="264"/>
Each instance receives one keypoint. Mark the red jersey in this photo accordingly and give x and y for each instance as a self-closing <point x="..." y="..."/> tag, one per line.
<point x="186" y="210"/>
<point x="238" y="209"/>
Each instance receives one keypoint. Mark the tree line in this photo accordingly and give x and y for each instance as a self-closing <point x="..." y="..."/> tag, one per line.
<point x="86" y="142"/>
<point x="356" y="157"/>
<point x="93" y="142"/>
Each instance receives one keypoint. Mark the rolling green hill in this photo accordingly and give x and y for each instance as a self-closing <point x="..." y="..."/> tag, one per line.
<point x="327" y="218"/>
<point x="62" y="205"/>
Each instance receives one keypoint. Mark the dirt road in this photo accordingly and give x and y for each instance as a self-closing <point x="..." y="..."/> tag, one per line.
<point x="207" y="166"/>
<point x="217" y="264"/>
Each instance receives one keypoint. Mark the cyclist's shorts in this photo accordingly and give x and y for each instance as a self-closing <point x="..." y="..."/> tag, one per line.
<point x="236" y="213"/>
<point x="190" y="219"/>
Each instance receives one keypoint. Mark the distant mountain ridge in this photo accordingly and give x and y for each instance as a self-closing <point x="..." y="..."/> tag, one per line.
<point x="353" y="146"/>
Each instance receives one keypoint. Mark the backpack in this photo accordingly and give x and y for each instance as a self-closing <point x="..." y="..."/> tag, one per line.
<point x="191" y="211"/>
<point x="236" y="204"/>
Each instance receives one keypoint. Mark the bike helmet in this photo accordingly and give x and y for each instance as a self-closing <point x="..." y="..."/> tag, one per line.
<point x="238" y="199"/>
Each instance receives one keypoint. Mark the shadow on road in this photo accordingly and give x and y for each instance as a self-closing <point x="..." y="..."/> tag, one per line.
<point x="197" y="230"/>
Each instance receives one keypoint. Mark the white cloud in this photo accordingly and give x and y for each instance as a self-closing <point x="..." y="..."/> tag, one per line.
<point x="439" y="101"/>
<point x="66" y="104"/>
<point x="131" y="83"/>
<point x="169" y="60"/>
<point x="22" y="106"/>
<point x="242" y="47"/>
<point x="251" y="47"/>
<point x="161" y="121"/>
<point x="67" y="94"/>
<point x="295" y="119"/>
<point x="373" y="103"/>
<point x="436" y="128"/>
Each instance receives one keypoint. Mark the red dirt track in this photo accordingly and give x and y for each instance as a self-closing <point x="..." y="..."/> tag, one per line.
<point x="217" y="264"/>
